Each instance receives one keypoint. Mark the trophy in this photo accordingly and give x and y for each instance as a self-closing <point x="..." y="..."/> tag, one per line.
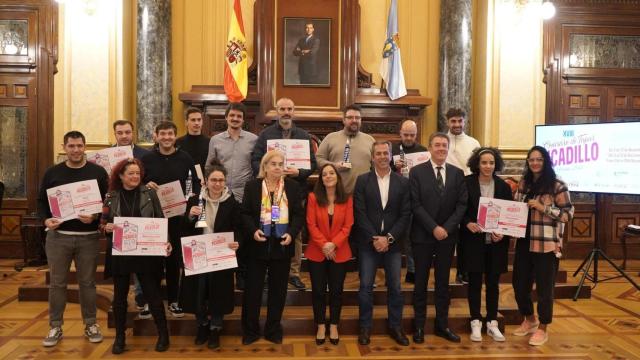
<point x="202" y="219"/>
<point x="189" y="186"/>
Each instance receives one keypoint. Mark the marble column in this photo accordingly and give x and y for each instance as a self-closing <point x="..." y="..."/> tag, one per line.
<point x="153" y="63"/>
<point x="455" y="59"/>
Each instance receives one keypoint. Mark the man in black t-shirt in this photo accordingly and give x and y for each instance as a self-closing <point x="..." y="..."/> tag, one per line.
<point x="75" y="239"/>
<point x="194" y="142"/>
<point x="163" y="165"/>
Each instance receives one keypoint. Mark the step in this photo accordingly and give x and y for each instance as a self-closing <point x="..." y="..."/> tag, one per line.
<point x="299" y="321"/>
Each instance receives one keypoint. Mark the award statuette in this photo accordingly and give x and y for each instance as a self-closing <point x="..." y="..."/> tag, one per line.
<point x="346" y="159"/>
<point x="202" y="219"/>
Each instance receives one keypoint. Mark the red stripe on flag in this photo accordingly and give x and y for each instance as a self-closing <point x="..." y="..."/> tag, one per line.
<point x="230" y="86"/>
<point x="238" y="12"/>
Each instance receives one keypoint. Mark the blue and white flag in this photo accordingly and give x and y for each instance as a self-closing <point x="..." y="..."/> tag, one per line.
<point x="391" y="66"/>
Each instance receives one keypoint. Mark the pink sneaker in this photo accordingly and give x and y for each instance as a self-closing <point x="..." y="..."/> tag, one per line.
<point x="526" y="328"/>
<point x="538" y="338"/>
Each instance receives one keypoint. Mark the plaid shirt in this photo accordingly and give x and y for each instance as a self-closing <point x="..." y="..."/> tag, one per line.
<point x="546" y="228"/>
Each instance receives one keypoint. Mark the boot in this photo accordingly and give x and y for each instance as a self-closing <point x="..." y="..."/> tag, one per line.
<point x="162" y="344"/>
<point x="214" y="339"/>
<point x="118" y="344"/>
<point x="120" y="319"/>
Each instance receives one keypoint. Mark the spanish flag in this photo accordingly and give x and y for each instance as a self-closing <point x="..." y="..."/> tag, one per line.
<point x="235" y="66"/>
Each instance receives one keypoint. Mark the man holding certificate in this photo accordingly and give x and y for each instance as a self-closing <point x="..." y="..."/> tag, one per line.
<point x="75" y="239"/>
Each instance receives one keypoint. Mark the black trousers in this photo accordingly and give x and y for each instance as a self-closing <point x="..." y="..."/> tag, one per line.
<point x="440" y="254"/>
<point x="173" y="268"/>
<point x="333" y="274"/>
<point x="541" y="268"/>
<point x="150" y="283"/>
<point x="474" y="294"/>
<point x="278" y="271"/>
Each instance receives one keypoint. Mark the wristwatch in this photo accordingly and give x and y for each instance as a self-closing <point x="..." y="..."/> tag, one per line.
<point x="390" y="238"/>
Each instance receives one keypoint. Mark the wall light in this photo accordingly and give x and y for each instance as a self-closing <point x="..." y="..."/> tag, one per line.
<point x="548" y="10"/>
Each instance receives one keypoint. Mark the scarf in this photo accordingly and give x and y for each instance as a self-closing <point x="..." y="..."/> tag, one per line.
<point x="274" y="213"/>
<point x="211" y="208"/>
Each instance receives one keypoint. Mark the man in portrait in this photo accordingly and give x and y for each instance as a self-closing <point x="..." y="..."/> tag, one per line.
<point x="307" y="52"/>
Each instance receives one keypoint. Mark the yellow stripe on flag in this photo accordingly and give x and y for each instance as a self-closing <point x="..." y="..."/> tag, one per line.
<point x="236" y="79"/>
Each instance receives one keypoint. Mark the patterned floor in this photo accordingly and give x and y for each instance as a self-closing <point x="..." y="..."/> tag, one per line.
<point x="607" y="326"/>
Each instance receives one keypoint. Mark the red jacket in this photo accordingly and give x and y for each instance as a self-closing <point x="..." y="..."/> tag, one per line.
<point x="320" y="233"/>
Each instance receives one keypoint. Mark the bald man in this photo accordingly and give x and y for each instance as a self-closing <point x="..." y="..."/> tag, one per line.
<point x="407" y="145"/>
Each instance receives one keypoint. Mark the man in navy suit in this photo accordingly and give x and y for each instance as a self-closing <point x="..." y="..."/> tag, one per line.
<point x="381" y="202"/>
<point x="438" y="201"/>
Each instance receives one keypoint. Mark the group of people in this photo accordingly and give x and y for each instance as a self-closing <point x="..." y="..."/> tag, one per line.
<point x="364" y="204"/>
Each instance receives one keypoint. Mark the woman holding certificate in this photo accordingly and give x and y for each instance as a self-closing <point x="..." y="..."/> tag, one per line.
<point x="128" y="198"/>
<point x="329" y="220"/>
<point x="538" y="253"/>
<point x="272" y="215"/>
<point x="210" y="295"/>
<point x="485" y="253"/>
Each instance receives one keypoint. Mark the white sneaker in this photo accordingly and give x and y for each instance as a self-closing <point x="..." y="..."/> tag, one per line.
<point x="476" y="330"/>
<point x="92" y="333"/>
<point x="493" y="331"/>
<point x="53" y="337"/>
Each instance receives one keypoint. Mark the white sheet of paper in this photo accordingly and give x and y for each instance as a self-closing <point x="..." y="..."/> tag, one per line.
<point x="140" y="236"/>
<point x="414" y="159"/>
<point x="109" y="157"/>
<point x="70" y="200"/>
<point x="208" y="253"/>
<point x="296" y="152"/>
<point x="172" y="199"/>
<point x="503" y="216"/>
<point x="199" y="172"/>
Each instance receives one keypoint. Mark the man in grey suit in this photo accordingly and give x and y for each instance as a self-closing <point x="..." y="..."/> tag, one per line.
<point x="307" y="52"/>
<point x="438" y="200"/>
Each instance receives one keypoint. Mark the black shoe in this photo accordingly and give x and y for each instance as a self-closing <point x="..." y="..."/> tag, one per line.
<point x="214" y="339"/>
<point x="462" y="278"/>
<point x="118" y="345"/>
<point x="410" y="278"/>
<point x="418" y="336"/>
<point x="446" y="334"/>
<point x="239" y="282"/>
<point x="297" y="283"/>
<point x="320" y="341"/>
<point x="398" y="335"/>
<point x="249" y="339"/>
<point x="334" y="341"/>
<point x="274" y="339"/>
<point x="162" y="344"/>
<point x="202" y="334"/>
<point x="364" y="337"/>
<point x="140" y="302"/>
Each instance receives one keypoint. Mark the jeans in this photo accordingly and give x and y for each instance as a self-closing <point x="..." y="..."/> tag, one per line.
<point x="83" y="250"/>
<point x="368" y="262"/>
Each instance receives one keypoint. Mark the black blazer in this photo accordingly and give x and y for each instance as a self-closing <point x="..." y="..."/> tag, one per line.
<point x="250" y="211"/>
<point x="430" y="208"/>
<point x="368" y="211"/>
<point x="212" y="290"/>
<point x="474" y="246"/>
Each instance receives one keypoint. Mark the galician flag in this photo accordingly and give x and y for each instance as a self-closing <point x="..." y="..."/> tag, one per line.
<point x="235" y="67"/>
<point x="391" y="66"/>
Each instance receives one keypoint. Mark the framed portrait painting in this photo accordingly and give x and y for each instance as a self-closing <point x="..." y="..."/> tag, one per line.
<point x="307" y="51"/>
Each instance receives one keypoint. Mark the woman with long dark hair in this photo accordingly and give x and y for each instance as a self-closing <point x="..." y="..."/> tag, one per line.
<point x="210" y="296"/>
<point x="329" y="221"/>
<point x="485" y="254"/>
<point x="127" y="197"/>
<point x="272" y="215"/>
<point x="538" y="253"/>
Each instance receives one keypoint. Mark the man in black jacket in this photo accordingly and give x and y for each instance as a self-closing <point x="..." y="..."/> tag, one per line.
<point x="284" y="128"/>
<point x="438" y="200"/>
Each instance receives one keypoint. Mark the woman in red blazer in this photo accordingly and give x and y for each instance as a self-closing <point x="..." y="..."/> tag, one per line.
<point x="329" y="220"/>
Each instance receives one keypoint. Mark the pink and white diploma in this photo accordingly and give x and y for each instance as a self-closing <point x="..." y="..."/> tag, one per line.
<point x="296" y="152"/>
<point x="70" y="200"/>
<point x="109" y="157"/>
<point x="172" y="199"/>
<point x="139" y="236"/>
<point x="208" y="253"/>
<point x="414" y="159"/>
<point x="503" y="217"/>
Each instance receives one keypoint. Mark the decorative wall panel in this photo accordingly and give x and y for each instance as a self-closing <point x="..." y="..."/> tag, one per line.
<point x="604" y="51"/>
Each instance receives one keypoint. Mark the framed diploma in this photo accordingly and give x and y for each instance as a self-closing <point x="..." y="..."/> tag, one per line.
<point x="109" y="157"/>
<point x="296" y="152"/>
<point x="503" y="217"/>
<point x="208" y="253"/>
<point x="68" y="201"/>
<point x="140" y="236"/>
<point x="172" y="199"/>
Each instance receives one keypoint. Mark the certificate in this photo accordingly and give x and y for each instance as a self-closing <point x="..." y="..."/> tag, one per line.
<point x="139" y="236"/>
<point x="109" y="157"/>
<point x="296" y="152"/>
<point x="70" y="200"/>
<point x="208" y="253"/>
<point x="503" y="216"/>
<point x="414" y="159"/>
<point x="172" y="199"/>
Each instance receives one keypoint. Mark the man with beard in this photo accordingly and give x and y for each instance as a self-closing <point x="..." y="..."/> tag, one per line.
<point x="123" y="132"/>
<point x="163" y="165"/>
<point x="349" y="149"/>
<point x="407" y="145"/>
<point x="233" y="149"/>
<point x="75" y="239"/>
<point x="194" y="142"/>
<point x="460" y="149"/>
<point x="438" y="200"/>
<point x="284" y="128"/>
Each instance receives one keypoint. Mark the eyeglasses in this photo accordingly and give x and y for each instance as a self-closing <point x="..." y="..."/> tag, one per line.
<point x="532" y="160"/>
<point x="216" y="180"/>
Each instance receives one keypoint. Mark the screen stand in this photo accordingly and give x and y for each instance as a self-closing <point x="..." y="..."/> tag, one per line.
<point x="592" y="259"/>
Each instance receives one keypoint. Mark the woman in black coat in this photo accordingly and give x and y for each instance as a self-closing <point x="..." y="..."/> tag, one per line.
<point x="128" y="198"/>
<point x="272" y="215"/>
<point x="210" y="296"/>
<point x="484" y="253"/>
